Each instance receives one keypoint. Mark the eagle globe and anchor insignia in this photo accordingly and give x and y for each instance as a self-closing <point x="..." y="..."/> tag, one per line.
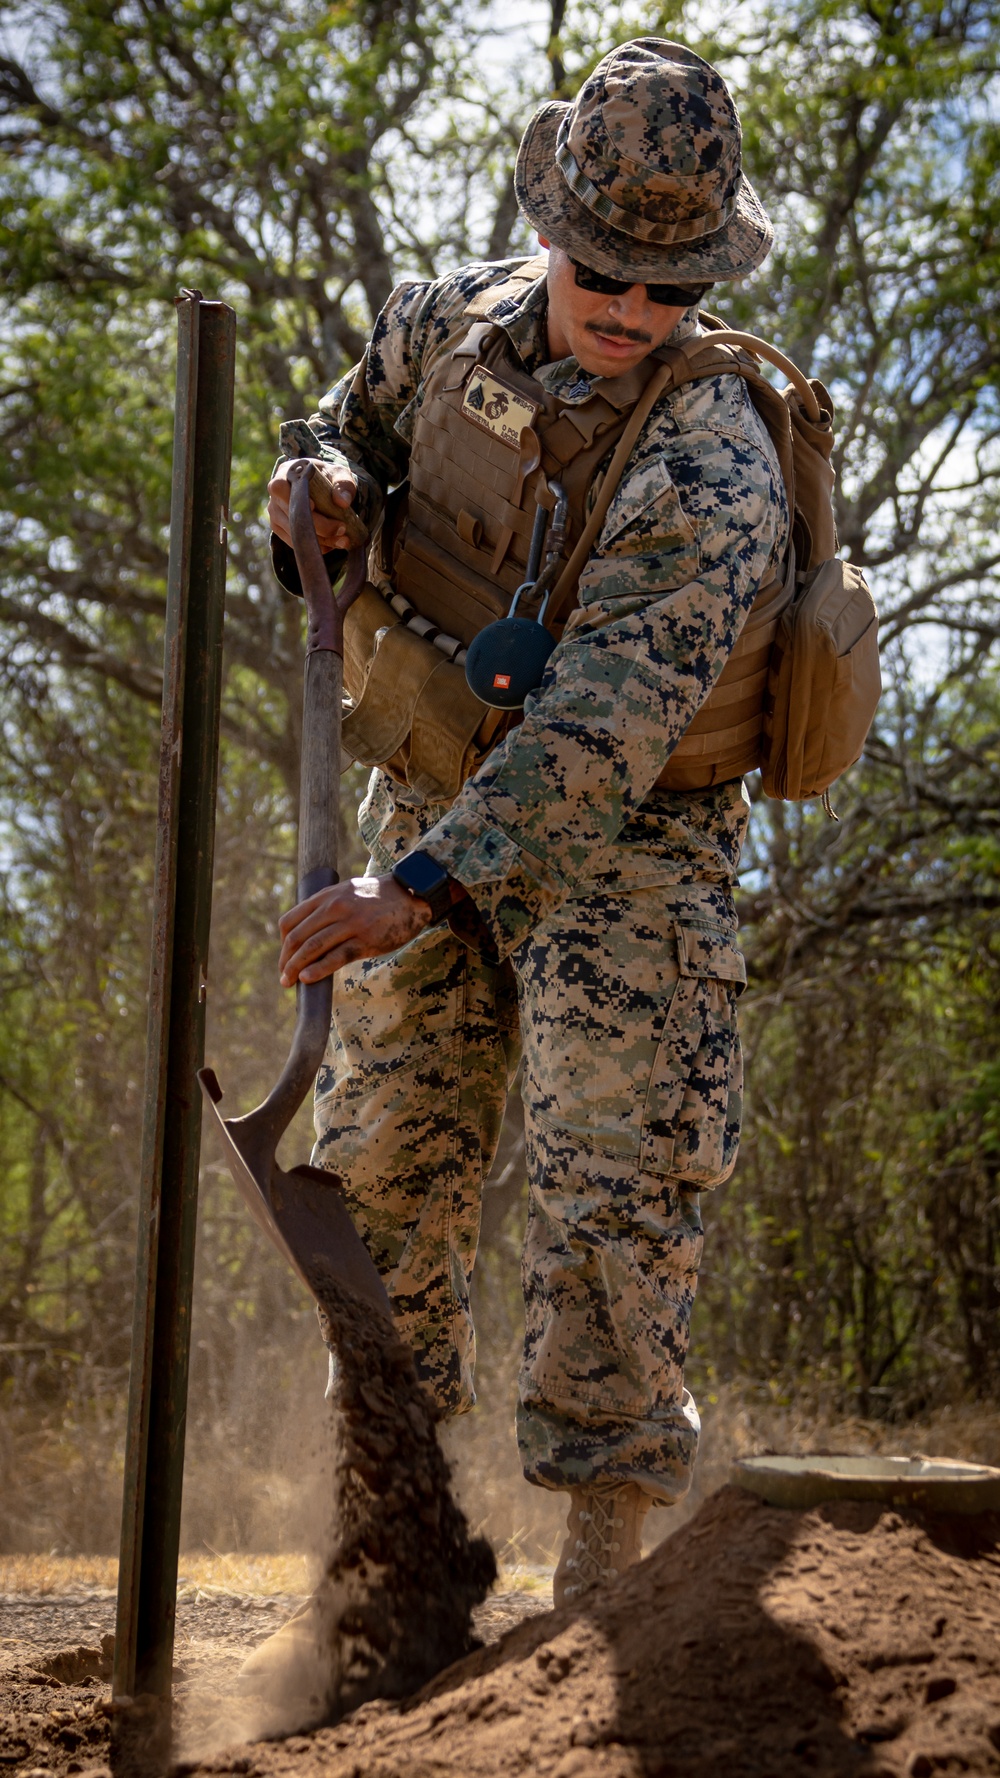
<point x="497" y="407"/>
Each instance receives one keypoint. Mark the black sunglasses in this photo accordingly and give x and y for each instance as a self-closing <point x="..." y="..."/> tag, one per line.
<point x="671" y="296"/>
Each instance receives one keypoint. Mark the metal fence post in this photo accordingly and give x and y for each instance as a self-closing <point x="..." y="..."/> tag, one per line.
<point x="182" y="899"/>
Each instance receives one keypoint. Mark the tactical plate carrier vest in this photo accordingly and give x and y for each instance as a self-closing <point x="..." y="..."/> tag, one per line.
<point x="487" y="441"/>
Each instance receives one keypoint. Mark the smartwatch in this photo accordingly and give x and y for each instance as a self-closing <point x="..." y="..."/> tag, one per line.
<point x="422" y="875"/>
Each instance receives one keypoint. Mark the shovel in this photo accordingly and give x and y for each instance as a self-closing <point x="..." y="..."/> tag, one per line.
<point x="302" y="1210"/>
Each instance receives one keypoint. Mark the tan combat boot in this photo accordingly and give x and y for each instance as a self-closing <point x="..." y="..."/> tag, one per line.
<point x="604" y="1537"/>
<point x="297" y="1666"/>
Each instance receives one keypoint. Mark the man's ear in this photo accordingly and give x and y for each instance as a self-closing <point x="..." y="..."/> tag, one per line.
<point x="542" y="242"/>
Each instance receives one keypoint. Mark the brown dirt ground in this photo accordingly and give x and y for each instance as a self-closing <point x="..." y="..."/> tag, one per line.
<point x="754" y="1643"/>
<point x="55" y="1665"/>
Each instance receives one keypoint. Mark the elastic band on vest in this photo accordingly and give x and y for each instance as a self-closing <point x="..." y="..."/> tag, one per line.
<point x="450" y="646"/>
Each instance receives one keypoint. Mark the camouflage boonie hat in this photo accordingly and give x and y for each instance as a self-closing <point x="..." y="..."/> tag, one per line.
<point x="641" y="176"/>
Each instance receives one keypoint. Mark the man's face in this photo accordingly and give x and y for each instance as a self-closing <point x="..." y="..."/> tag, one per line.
<point x="605" y="334"/>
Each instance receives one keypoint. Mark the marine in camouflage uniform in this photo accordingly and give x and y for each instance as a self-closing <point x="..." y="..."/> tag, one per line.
<point x="598" y="934"/>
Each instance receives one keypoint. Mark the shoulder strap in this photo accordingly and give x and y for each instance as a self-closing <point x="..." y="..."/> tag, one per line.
<point x="565" y="587"/>
<point x="697" y="351"/>
<point x="799" y="419"/>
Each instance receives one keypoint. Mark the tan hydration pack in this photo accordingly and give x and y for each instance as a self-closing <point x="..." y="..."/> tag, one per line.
<point x="818" y="689"/>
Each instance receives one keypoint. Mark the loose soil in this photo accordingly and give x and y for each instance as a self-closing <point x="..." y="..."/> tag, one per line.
<point x="55" y="1669"/>
<point x="404" y="1574"/>
<point x="754" y="1643"/>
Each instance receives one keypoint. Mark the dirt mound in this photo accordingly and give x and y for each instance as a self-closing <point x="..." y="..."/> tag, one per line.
<point x="395" y="1606"/>
<point x="756" y="1643"/>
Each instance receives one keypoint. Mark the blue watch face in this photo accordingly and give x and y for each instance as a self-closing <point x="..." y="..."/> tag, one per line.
<point x="421" y="873"/>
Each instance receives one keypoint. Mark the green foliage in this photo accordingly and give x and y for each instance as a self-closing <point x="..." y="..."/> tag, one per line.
<point x="857" y="1248"/>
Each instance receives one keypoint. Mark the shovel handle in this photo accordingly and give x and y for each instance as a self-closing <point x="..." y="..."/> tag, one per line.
<point x="319" y="782"/>
<point x="322" y="692"/>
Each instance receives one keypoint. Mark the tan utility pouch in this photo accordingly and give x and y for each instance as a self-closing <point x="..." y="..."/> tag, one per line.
<point x="824" y="683"/>
<point x="411" y="711"/>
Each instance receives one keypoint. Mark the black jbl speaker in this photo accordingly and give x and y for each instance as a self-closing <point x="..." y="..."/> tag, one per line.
<point x="506" y="661"/>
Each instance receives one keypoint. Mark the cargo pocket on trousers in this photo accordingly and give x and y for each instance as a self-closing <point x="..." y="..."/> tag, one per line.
<point x="691" y="1122"/>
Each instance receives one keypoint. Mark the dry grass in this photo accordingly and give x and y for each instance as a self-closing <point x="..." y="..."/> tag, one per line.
<point x="262" y="1575"/>
<point x="739" y="1423"/>
<point x="47" y="1575"/>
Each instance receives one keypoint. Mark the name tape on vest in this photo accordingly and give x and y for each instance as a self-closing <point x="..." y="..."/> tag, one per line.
<point x="497" y="406"/>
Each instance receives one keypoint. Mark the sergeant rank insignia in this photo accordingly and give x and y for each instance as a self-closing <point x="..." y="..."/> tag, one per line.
<point x="497" y="406"/>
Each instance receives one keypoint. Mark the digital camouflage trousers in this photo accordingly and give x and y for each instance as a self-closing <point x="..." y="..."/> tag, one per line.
<point x="624" y="1007"/>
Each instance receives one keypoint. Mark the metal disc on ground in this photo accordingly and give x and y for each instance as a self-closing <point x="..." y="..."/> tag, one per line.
<point x="939" y="1484"/>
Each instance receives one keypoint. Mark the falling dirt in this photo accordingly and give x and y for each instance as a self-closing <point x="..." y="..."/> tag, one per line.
<point x="404" y="1575"/>
<point x="850" y="1642"/>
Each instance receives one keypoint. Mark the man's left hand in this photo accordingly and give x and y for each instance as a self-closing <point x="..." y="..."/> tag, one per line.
<point x="365" y="917"/>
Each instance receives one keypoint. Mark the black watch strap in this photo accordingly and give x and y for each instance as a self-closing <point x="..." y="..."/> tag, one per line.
<point x="422" y="875"/>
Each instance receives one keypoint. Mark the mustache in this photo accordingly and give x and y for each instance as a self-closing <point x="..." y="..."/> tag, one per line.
<point x="613" y="330"/>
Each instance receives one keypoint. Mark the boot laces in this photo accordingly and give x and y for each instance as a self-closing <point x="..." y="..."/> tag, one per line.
<point x="592" y="1562"/>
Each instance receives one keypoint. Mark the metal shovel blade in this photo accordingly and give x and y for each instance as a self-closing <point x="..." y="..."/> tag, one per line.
<point x="301" y="1211"/>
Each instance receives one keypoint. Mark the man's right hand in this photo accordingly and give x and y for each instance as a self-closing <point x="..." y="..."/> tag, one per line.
<point x="342" y="485"/>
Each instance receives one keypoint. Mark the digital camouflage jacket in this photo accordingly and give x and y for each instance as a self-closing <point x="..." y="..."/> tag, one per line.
<point x="566" y="804"/>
